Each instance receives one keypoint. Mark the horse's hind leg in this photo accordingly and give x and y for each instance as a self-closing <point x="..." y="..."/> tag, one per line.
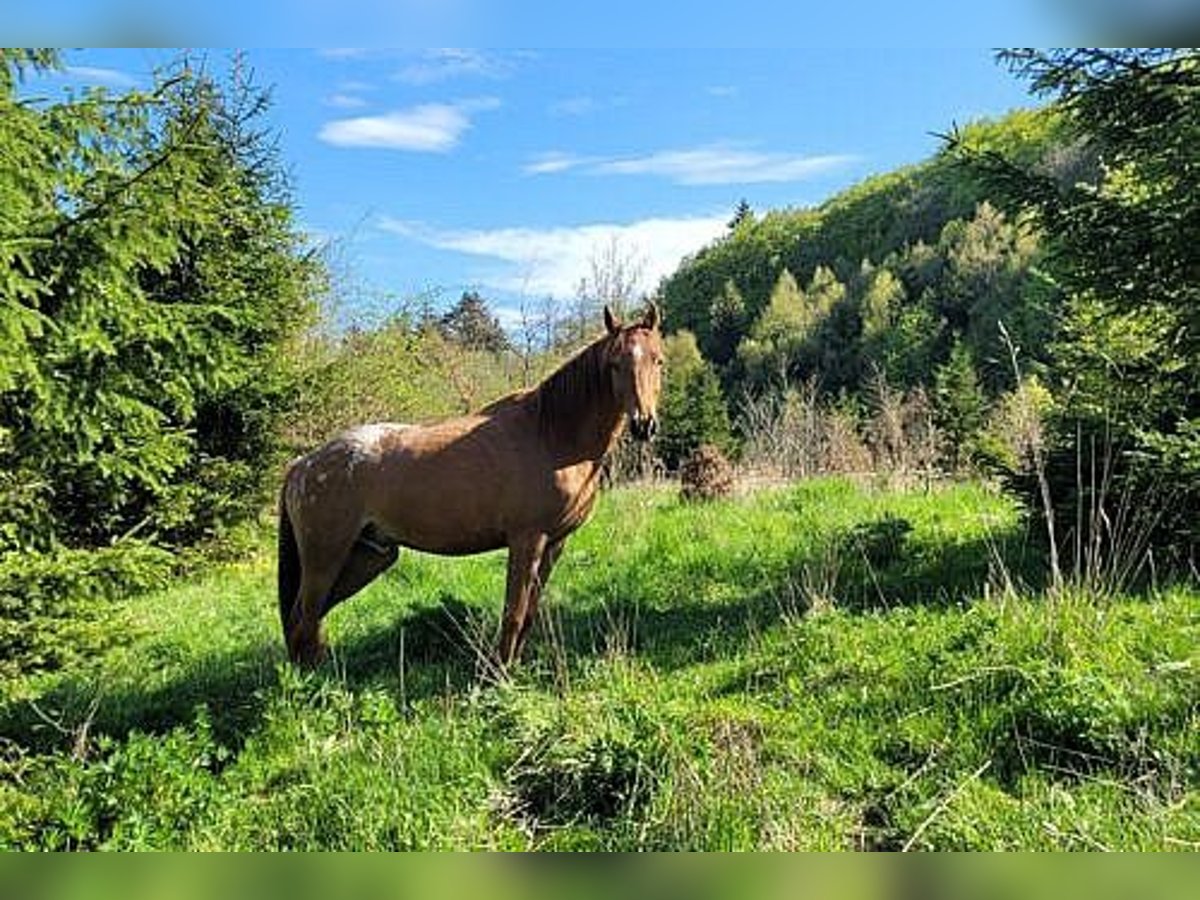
<point x="322" y="559"/>
<point x="367" y="560"/>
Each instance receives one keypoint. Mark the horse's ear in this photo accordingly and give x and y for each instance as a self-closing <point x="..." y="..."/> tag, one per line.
<point x="652" y="317"/>
<point x="611" y="322"/>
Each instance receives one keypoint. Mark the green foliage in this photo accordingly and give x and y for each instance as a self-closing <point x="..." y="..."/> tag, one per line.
<point x="151" y="283"/>
<point x="881" y="303"/>
<point x="1121" y="247"/>
<point x="692" y="409"/>
<point x="727" y="318"/>
<point x="682" y="694"/>
<point x="54" y="606"/>
<point x="959" y="404"/>
<point x="398" y="372"/>
<point x="881" y="218"/>
<point x="885" y="278"/>
<point x="791" y="338"/>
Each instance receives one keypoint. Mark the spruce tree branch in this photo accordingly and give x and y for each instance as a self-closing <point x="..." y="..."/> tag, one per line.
<point x="61" y="229"/>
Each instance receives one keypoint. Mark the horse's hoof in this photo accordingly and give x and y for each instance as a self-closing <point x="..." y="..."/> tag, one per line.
<point x="307" y="654"/>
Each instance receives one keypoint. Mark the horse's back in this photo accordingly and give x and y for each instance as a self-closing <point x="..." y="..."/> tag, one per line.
<point x="462" y="485"/>
<point x="449" y="487"/>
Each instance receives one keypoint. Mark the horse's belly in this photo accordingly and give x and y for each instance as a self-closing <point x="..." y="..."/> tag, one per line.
<point x="469" y="496"/>
<point x="455" y="545"/>
<point x="434" y="524"/>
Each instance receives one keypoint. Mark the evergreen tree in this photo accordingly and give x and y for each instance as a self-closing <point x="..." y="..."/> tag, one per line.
<point x="959" y="404"/>
<point x="692" y="410"/>
<point x="742" y="214"/>
<point x="1123" y="251"/>
<point x="471" y="324"/>
<point x="152" y="284"/>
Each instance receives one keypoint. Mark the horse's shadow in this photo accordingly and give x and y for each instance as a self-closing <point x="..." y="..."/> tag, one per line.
<point x="870" y="569"/>
<point x="426" y="652"/>
<point x="597" y="612"/>
<point x="445" y="649"/>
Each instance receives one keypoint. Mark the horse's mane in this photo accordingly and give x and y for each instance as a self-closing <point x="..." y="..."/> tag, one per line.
<point x="574" y="385"/>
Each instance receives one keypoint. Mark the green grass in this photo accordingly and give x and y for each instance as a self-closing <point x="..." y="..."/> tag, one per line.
<point x="816" y="667"/>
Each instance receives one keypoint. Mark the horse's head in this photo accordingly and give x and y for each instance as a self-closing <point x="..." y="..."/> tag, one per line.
<point x="635" y="361"/>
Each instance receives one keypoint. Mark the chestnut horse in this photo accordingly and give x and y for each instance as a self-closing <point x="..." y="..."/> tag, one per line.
<point x="521" y="473"/>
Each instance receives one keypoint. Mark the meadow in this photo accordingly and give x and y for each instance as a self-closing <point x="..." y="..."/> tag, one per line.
<point x="818" y="666"/>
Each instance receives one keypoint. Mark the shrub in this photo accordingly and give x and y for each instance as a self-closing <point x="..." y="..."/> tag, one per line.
<point x="52" y="604"/>
<point x="706" y="475"/>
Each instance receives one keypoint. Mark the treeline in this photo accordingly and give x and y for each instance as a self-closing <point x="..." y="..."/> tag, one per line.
<point x="1034" y="283"/>
<point x="896" y="275"/>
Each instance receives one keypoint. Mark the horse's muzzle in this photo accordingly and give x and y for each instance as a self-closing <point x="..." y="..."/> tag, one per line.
<point x="643" y="427"/>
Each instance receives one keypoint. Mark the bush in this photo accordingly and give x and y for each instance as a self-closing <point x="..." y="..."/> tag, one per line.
<point x="706" y="475"/>
<point x="52" y="604"/>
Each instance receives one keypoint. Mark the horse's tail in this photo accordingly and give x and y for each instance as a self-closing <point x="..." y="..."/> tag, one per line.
<point x="289" y="565"/>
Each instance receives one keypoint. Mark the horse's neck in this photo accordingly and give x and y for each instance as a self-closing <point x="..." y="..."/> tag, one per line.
<point x="591" y="436"/>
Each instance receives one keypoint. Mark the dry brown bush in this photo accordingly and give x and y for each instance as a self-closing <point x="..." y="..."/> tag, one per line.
<point x="705" y="475"/>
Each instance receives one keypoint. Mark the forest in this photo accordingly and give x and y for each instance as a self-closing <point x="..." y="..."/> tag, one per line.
<point x="956" y="409"/>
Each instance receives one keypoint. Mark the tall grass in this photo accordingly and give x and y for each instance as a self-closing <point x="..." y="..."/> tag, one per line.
<point x="813" y="667"/>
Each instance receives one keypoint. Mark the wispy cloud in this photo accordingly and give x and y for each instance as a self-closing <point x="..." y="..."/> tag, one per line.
<point x="554" y="162"/>
<point x="111" y="77"/>
<point x="706" y="165"/>
<point x="440" y="65"/>
<point x="721" y="90"/>
<point x="428" y="128"/>
<point x="347" y="94"/>
<point x="573" y="106"/>
<point x="551" y="261"/>
<point x="345" y="101"/>
<point x="343" y="52"/>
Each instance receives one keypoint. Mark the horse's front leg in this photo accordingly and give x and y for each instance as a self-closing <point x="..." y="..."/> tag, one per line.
<point x="524" y="559"/>
<point x="549" y="558"/>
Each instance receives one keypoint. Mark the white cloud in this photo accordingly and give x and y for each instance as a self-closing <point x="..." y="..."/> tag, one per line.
<point x="554" y="162"/>
<point x="440" y="65"/>
<point x="552" y="261"/>
<point x="573" y="106"/>
<point x="345" y="101"/>
<point x="429" y="128"/>
<point x="110" y="77"/>
<point x="706" y="165"/>
<point x="722" y="164"/>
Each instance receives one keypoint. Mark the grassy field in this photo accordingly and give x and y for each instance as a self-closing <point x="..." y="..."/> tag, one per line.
<point x="821" y="666"/>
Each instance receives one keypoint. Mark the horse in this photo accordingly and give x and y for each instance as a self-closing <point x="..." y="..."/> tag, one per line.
<point x="521" y="473"/>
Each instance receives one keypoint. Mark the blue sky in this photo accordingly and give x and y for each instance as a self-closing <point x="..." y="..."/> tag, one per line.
<point x="506" y="171"/>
